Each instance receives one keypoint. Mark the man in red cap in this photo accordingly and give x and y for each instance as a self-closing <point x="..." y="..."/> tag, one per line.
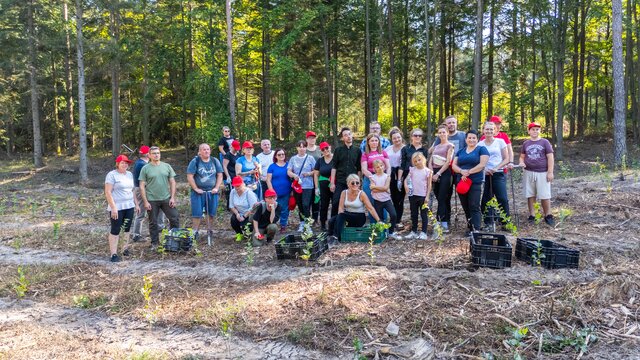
<point x="502" y="135"/>
<point x="139" y="217"/>
<point x="266" y="218"/>
<point x="537" y="159"/>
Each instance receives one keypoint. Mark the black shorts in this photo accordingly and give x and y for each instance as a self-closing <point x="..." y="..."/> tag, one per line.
<point x="125" y="218"/>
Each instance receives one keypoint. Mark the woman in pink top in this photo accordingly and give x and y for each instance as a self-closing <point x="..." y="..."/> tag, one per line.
<point x="373" y="152"/>
<point x="380" y="184"/>
<point x="418" y="185"/>
<point x="395" y="159"/>
<point x="439" y="163"/>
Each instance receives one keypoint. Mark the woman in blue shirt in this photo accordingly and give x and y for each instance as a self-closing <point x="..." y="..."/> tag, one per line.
<point x="248" y="168"/>
<point x="469" y="164"/>
<point x="278" y="180"/>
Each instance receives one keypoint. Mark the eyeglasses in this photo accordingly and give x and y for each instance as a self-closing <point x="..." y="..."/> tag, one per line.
<point x="417" y="135"/>
<point x="375" y="128"/>
<point x="355" y="183"/>
<point x="326" y="149"/>
<point x="155" y="153"/>
<point x="280" y="154"/>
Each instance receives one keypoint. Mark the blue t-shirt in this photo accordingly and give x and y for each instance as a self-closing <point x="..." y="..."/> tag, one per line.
<point x="279" y="178"/>
<point x="206" y="173"/>
<point x="248" y="165"/>
<point x="300" y="166"/>
<point x="137" y="167"/>
<point x="467" y="161"/>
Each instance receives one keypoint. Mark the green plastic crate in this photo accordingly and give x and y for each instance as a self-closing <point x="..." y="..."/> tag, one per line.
<point x="360" y="234"/>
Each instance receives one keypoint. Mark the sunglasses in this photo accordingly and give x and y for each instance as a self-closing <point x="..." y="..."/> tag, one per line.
<point x="417" y="135"/>
<point x="326" y="149"/>
<point x="355" y="183"/>
<point x="281" y="154"/>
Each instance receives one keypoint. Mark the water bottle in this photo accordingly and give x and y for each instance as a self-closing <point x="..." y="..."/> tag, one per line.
<point x="410" y="186"/>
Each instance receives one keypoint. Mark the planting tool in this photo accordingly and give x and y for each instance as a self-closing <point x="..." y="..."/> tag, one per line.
<point x="513" y="197"/>
<point x="207" y="215"/>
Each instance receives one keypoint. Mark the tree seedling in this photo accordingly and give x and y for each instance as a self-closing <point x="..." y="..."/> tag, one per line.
<point x="376" y="230"/>
<point x="149" y="314"/>
<point x="22" y="285"/>
<point x="245" y="236"/>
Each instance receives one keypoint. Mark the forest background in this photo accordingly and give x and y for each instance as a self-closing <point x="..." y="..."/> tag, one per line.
<point x="94" y="74"/>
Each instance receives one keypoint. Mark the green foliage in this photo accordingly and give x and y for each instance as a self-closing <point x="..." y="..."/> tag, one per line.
<point x="576" y="340"/>
<point x="358" y="347"/>
<point x="537" y="213"/>
<point x="565" y="170"/>
<point x="516" y="341"/>
<point x="376" y="229"/>
<point x="506" y="220"/>
<point x="22" y="284"/>
<point x="86" y="302"/>
<point x="246" y="236"/>
<point x="56" y="231"/>
<point x="149" y="312"/>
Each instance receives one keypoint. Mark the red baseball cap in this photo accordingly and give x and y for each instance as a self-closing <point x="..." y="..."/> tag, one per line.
<point x="496" y="119"/>
<point x="235" y="144"/>
<point x="144" y="149"/>
<point x="310" y="134"/>
<point x="270" y="193"/>
<point x="324" y="145"/>
<point x="237" y="181"/>
<point x="247" y="145"/>
<point x="533" y="124"/>
<point x="121" y="158"/>
<point x="464" y="186"/>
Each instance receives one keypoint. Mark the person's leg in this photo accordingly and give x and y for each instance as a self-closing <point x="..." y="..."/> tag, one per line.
<point x="397" y="196"/>
<point x="464" y="202"/>
<point x="474" y="205"/>
<point x="235" y="224"/>
<point x="271" y="231"/>
<point x="197" y="204"/>
<point x="487" y="194"/>
<point x="114" y="234"/>
<point x="153" y="222"/>
<point x="315" y="207"/>
<point x="212" y="209"/>
<point x="263" y="187"/>
<point x="500" y="191"/>
<point x="531" y="204"/>
<point x="331" y="225"/>
<point x="366" y="188"/>
<point x="529" y="189"/>
<point x="137" y="220"/>
<point x="325" y="199"/>
<point x="356" y="219"/>
<point x="379" y="207"/>
<point x="283" y="201"/>
<point x="444" y="198"/>
<point x="300" y="206"/>
<point x="307" y="195"/>
<point x="335" y="202"/>
<point x="172" y="214"/>
<point x="127" y="221"/>
<point x="413" y="206"/>
<point x="388" y="206"/>
<point x="338" y="225"/>
<point x="424" y="217"/>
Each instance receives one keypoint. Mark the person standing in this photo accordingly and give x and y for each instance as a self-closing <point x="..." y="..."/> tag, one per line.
<point x="497" y="120"/>
<point x="537" y="159"/>
<point x="420" y="178"/>
<point x="455" y="136"/>
<point x="314" y="151"/>
<point x="204" y="175"/>
<point x="224" y="144"/>
<point x="118" y="189"/>
<point x="439" y="163"/>
<point x="406" y="154"/>
<point x="495" y="181"/>
<point x="321" y="176"/>
<point x="300" y="169"/>
<point x="265" y="158"/>
<point x="373" y="152"/>
<point x="139" y="216"/>
<point x="375" y="128"/>
<point x="248" y="167"/>
<point x="279" y="181"/>
<point x="394" y="151"/>
<point x="158" y="190"/>
<point x="346" y="161"/>
<point x="380" y="185"/>
<point x="229" y="166"/>
<point x="469" y="164"/>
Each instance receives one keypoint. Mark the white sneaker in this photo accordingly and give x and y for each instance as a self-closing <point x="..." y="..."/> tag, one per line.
<point x="410" y="236"/>
<point x="393" y="236"/>
<point x="445" y="227"/>
<point x="422" y="236"/>
<point x="399" y="226"/>
<point x="301" y="227"/>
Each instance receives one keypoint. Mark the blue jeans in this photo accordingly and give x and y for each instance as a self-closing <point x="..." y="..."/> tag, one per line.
<point x="495" y="185"/>
<point x="283" y="201"/>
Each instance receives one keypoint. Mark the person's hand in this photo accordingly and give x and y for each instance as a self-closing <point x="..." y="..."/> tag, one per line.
<point x="522" y="165"/>
<point x="399" y="184"/>
<point x="172" y="202"/>
<point x="114" y="214"/>
<point x="435" y="177"/>
<point x="549" y="176"/>
<point x="147" y="206"/>
<point x="239" y="217"/>
<point x="465" y="173"/>
<point x="332" y="187"/>
<point x="463" y="178"/>
<point x="272" y="207"/>
<point x="317" y="192"/>
<point x="258" y="236"/>
<point x="510" y="166"/>
<point x="490" y="171"/>
<point x="214" y="190"/>
<point x="198" y="191"/>
<point x="227" y="181"/>
<point x="137" y="209"/>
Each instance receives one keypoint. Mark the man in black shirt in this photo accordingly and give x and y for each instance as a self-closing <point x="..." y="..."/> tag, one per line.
<point x="346" y="161"/>
<point x="266" y="218"/>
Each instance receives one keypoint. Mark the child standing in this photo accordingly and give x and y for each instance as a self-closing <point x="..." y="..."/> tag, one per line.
<point x="418" y="186"/>
<point x="537" y="159"/>
<point x="381" y="195"/>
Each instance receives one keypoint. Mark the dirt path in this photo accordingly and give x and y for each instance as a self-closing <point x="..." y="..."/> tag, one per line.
<point x="32" y="330"/>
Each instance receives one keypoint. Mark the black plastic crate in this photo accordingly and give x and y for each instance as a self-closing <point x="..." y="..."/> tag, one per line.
<point x="556" y="256"/>
<point x="179" y="239"/>
<point x="490" y="250"/>
<point x="292" y="246"/>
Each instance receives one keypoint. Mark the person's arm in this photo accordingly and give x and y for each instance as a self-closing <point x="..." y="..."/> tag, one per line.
<point x="225" y="164"/>
<point x="292" y="174"/>
<point x="367" y="204"/>
<point x="221" y="149"/>
<point x="510" y="155"/>
<point x="332" y="180"/>
<point x="365" y="169"/>
<point x="172" y="189"/>
<point x="387" y="166"/>
<point x="505" y="158"/>
<point x="239" y="169"/>
<point x="455" y="166"/>
<point x="550" y="164"/>
<point x="108" y="188"/>
<point x="192" y="183"/>
<point x="480" y="167"/>
<point x="521" y="161"/>
<point x="272" y="212"/>
<point x="269" y="177"/>
<point x="216" y="188"/>
<point x="386" y="186"/>
<point x="341" y="202"/>
<point x="143" y="195"/>
<point x="429" y="180"/>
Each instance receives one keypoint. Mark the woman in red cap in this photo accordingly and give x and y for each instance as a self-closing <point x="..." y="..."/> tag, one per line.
<point x="265" y="218"/>
<point x="248" y="167"/>
<point x="321" y="178"/>
<point x="241" y="203"/>
<point x="469" y="164"/>
<point x="118" y="189"/>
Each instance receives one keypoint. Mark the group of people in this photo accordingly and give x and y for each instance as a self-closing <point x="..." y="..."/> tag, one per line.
<point x="333" y="188"/>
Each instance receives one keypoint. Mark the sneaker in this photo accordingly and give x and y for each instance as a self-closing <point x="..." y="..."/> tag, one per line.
<point x="332" y="240"/>
<point x="549" y="220"/>
<point x="410" y="236"/>
<point x="422" y="236"/>
<point x="153" y="247"/>
<point x="115" y="258"/>
<point x="399" y="226"/>
<point x="445" y="227"/>
<point x="301" y="227"/>
<point x="126" y="252"/>
<point x="394" y="236"/>
<point x="136" y="238"/>
<point x="531" y="219"/>
<point x="283" y="228"/>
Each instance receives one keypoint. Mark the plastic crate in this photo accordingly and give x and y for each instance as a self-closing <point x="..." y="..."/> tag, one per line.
<point x="490" y="250"/>
<point x="556" y="256"/>
<point x="179" y="239"/>
<point x="361" y="235"/>
<point x="292" y="246"/>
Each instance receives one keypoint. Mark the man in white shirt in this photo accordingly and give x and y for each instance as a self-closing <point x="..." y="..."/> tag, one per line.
<point x="265" y="158"/>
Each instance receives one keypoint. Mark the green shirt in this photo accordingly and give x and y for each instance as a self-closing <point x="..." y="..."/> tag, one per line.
<point x="156" y="180"/>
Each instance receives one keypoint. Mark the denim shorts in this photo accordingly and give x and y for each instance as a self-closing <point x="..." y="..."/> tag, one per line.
<point x="200" y="206"/>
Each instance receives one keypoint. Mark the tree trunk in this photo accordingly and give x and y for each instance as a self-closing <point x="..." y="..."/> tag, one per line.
<point x="82" y="109"/>
<point x="367" y="55"/>
<point x="405" y="65"/>
<point x="560" y="38"/>
<point x="230" y="73"/>
<point x="392" y="69"/>
<point x="33" y="81"/>
<point x="477" y="70"/>
<point x="56" y="112"/>
<point x="619" y="125"/>
<point x="266" y="72"/>
<point x="68" y="85"/>
<point x="574" y="74"/>
<point x="580" y="111"/>
<point x="636" y="121"/>
<point x="428" y="71"/>
<point x="116" y="127"/>
<point x="492" y="23"/>
<point x="146" y="91"/>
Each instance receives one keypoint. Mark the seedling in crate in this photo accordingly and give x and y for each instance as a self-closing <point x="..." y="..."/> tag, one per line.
<point x="538" y="255"/>
<point x="307" y="233"/>
<point x="22" y="285"/>
<point x="245" y="236"/>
